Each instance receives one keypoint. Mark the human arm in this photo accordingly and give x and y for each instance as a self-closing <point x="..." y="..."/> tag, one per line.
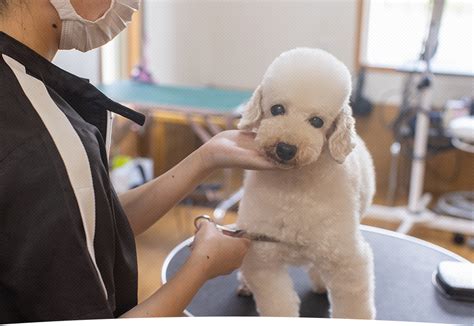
<point x="213" y="254"/>
<point x="230" y="149"/>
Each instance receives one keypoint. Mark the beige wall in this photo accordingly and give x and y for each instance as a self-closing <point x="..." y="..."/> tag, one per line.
<point x="85" y="65"/>
<point x="230" y="43"/>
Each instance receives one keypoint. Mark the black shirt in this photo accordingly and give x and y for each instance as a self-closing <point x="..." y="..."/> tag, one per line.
<point x="66" y="248"/>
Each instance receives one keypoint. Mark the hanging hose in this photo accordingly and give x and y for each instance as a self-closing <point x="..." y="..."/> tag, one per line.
<point x="458" y="204"/>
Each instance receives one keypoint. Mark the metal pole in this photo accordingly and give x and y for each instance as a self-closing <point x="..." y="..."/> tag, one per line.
<point x="422" y="118"/>
<point x="420" y="148"/>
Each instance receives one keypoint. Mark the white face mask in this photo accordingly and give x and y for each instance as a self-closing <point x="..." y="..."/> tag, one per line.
<point x="84" y="35"/>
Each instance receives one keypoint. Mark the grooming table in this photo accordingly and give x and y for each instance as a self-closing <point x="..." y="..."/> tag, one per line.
<point x="404" y="268"/>
<point x="201" y="100"/>
<point x="207" y="110"/>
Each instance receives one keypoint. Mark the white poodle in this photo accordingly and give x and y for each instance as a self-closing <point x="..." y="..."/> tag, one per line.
<point x="314" y="203"/>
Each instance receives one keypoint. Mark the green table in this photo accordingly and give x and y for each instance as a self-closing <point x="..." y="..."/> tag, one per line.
<point x="207" y="100"/>
<point x="207" y="110"/>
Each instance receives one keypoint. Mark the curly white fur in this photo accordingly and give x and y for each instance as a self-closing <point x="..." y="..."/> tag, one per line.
<point x="315" y="202"/>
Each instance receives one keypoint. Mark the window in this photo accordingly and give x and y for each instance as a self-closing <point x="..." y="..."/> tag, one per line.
<point x="395" y="30"/>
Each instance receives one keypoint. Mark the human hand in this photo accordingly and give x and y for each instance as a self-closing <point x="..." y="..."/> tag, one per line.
<point x="216" y="253"/>
<point x="234" y="149"/>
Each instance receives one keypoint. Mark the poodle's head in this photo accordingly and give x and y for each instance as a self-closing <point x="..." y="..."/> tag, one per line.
<point x="301" y="108"/>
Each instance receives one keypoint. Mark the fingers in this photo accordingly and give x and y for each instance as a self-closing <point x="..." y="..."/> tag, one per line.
<point x="239" y="236"/>
<point x="266" y="164"/>
<point x="200" y="223"/>
<point x="246" y="242"/>
<point x="205" y="232"/>
<point x="240" y="241"/>
<point x="249" y="134"/>
<point x="253" y="159"/>
<point x="198" y="220"/>
<point x="260" y="162"/>
<point x="234" y="234"/>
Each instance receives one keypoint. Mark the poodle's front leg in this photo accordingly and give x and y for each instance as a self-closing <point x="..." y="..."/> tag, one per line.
<point x="271" y="286"/>
<point x="350" y="283"/>
<point x="318" y="283"/>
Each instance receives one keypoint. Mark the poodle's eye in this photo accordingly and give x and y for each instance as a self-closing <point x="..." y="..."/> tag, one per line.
<point x="316" y="122"/>
<point x="277" y="109"/>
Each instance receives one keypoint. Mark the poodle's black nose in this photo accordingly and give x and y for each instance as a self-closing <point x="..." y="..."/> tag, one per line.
<point x="286" y="151"/>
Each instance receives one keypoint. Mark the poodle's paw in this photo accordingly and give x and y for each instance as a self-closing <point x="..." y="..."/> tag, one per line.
<point x="244" y="291"/>
<point x="355" y="311"/>
<point x="317" y="284"/>
<point x="282" y="310"/>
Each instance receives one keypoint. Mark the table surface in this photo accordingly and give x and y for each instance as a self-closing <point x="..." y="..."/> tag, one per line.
<point x="404" y="269"/>
<point x="213" y="100"/>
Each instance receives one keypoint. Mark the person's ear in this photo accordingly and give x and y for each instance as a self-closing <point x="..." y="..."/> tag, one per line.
<point x="253" y="112"/>
<point x="341" y="141"/>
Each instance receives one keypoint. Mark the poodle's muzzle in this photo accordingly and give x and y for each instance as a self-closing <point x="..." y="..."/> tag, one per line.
<point x="285" y="152"/>
<point x="290" y="141"/>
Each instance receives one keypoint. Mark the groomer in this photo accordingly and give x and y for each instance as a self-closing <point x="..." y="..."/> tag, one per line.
<point x="67" y="247"/>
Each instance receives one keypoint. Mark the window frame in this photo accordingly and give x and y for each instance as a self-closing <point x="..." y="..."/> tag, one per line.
<point x="361" y="47"/>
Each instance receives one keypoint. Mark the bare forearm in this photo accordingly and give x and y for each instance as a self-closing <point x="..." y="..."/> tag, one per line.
<point x="213" y="254"/>
<point x="229" y="149"/>
<point x="173" y="297"/>
<point x="147" y="204"/>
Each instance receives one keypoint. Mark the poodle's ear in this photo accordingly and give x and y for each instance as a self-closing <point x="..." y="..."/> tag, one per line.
<point x="252" y="111"/>
<point x="342" y="139"/>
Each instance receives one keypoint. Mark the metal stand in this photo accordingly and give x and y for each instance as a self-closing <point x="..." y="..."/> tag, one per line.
<point x="227" y="204"/>
<point x="417" y="212"/>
